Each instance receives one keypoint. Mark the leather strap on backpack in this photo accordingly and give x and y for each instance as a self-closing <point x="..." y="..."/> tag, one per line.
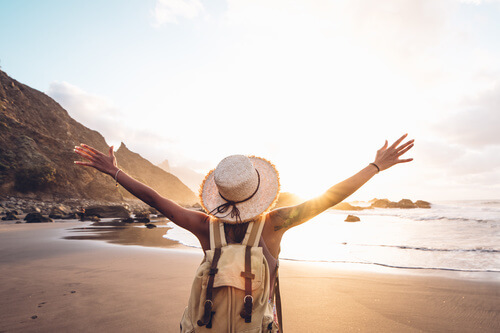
<point x="246" y="313"/>
<point x="207" y="316"/>
<point x="278" y="301"/>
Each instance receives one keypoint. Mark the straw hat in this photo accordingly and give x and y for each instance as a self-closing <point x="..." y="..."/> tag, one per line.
<point x="240" y="188"/>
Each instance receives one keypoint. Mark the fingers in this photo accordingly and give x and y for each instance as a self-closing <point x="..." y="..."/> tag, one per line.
<point x="83" y="153"/>
<point x="95" y="151"/>
<point x="384" y="146"/>
<point x="84" y="163"/>
<point x="398" y="141"/>
<point x="111" y="152"/>
<point x="404" y="150"/>
<point x="406" y="144"/>
<point x="405" y="160"/>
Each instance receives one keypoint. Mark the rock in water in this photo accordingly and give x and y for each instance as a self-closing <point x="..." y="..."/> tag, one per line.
<point x="150" y="226"/>
<point x="406" y="204"/>
<point x="347" y="206"/>
<point x="352" y="218"/>
<point x="381" y="203"/>
<point x="422" y="204"/>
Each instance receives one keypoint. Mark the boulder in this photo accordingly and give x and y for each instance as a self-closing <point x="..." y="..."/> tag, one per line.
<point x="352" y="218"/>
<point x="107" y="211"/>
<point x="381" y="203"/>
<point x="34" y="209"/>
<point x="92" y="218"/>
<point x="70" y="216"/>
<point x="142" y="214"/>
<point x="347" y="206"/>
<point x="153" y="210"/>
<point x="36" y="218"/>
<point x="423" y="204"/>
<point x="58" y="212"/>
<point x="128" y="220"/>
<point x="10" y="216"/>
<point x="406" y="204"/>
<point x="150" y="226"/>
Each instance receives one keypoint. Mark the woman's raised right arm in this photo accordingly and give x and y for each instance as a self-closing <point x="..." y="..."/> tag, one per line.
<point x="185" y="218"/>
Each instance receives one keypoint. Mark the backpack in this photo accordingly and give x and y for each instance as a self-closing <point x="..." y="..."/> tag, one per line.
<point x="230" y="291"/>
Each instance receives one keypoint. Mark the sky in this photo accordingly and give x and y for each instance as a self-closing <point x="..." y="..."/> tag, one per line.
<point x="314" y="86"/>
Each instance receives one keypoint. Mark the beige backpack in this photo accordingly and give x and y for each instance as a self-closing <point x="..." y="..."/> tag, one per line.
<point x="230" y="292"/>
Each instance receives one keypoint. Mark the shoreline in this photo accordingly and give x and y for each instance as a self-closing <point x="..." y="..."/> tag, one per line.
<point x="95" y="286"/>
<point x="135" y="234"/>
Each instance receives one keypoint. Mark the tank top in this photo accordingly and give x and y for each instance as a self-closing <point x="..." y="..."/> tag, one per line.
<point x="272" y="262"/>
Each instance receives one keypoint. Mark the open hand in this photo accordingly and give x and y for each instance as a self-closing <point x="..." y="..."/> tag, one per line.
<point x="96" y="159"/>
<point x="389" y="156"/>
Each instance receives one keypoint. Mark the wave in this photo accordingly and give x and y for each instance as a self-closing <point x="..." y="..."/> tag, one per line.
<point x="399" y="267"/>
<point x="422" y="248"/>
<point x="450" y="218"/>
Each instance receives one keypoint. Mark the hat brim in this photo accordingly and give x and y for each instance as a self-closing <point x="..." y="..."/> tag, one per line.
<point x="263" y="201"/>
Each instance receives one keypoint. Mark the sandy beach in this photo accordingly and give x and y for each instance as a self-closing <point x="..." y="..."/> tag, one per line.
<point x="52" y="284"/>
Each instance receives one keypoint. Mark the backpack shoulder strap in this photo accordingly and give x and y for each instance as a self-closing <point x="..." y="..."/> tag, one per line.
<point x="254" y="231"/>
<point x="217" y="236"/>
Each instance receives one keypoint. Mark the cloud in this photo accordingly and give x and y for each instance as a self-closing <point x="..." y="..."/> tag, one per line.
<point x="102" y="115"/>
<point x="93" y="111"/>
<point x="477" y="124"/>
<point x="168" y="11"/>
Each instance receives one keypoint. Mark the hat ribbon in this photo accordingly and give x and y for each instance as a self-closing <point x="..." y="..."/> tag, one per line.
<point x="235" y="212"/>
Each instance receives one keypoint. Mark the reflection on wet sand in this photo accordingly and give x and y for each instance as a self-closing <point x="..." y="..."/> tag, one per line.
<point x="116" y="232"/>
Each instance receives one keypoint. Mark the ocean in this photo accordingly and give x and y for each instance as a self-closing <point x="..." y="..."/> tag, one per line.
<point x="462" y="236"/>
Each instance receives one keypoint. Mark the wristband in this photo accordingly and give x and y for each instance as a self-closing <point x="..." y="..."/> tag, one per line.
<point x="116" y="175"/>
<point x="376" y="166"/>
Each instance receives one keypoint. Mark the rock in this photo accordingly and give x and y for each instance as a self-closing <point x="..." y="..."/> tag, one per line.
<point x="150" y="226"/>
<point x="36" y="218"/>
<point x="406" y="204"/>
<point x="153" y="210"/>
<point x="381" y="203"/>
<point x="92" y="218"/>
<point x="108" y="211"/>
<point x="423" y="204"/>
<point x="352" y="218"/>
<point x="128" y="220"/>
<point x="386" y="203"/>
<point x="34" y="209"/>
<point x="70" y="216"/>
<point x="58" y="212"/>
<point x="142" y="214"/>
<point x="347" y="206"/>
<point x="10" y="216"/>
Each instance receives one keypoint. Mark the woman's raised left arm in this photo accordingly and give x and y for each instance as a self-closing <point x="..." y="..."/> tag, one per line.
<point x="287" y="217"/>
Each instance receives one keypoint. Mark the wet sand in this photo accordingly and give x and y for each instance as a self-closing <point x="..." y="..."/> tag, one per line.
<point x="52" y="284"/>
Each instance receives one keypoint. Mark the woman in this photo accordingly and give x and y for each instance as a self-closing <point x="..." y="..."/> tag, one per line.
<point x="237" y="197"/>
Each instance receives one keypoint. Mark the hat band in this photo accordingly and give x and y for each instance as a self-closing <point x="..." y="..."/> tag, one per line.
<point x="235" y="212"/>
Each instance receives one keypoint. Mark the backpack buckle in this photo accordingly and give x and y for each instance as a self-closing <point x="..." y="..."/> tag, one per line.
<point x="246" y="313"/>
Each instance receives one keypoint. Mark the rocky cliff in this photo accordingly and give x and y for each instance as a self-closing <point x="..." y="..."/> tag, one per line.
<point x="37" y="137"/>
